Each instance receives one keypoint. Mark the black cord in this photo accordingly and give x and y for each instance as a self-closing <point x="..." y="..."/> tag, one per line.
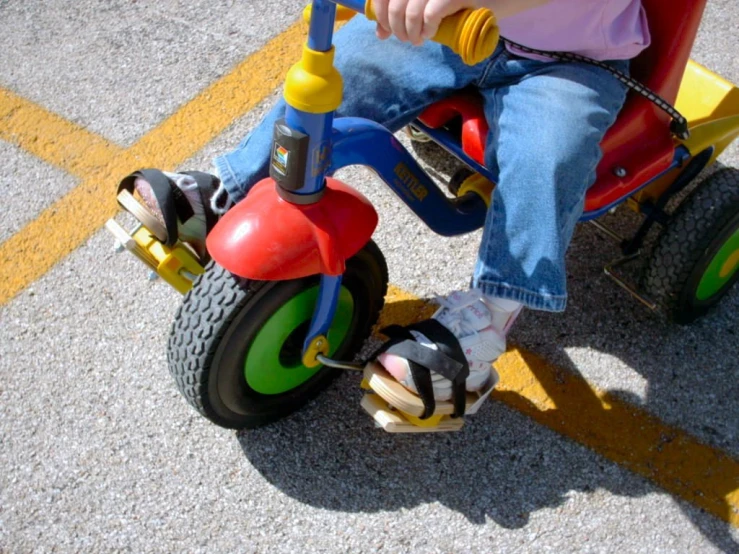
<point x="679" y="125"/>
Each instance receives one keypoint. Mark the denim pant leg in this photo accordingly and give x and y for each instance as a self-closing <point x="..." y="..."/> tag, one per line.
<point x="388" y="81"/>
<point x="547" y="120"/>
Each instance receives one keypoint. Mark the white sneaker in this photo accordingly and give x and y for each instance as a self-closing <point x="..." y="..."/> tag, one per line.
<point x="480" y="324"/>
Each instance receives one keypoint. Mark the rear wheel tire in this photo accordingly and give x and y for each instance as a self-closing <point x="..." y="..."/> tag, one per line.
<point x="235" y="345"/>
<point x="696" y="259"/>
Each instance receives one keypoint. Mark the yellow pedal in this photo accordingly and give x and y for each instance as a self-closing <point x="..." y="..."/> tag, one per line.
<point x="395" y="421"/>
<point x="177" y="265"/>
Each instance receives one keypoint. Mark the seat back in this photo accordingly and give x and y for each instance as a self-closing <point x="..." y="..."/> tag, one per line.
<point x="639" y="146"/>
<point x="673" y="25"/>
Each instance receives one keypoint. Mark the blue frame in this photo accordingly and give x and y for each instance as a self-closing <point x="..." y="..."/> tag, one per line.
<point x="362" y="142"/>
<point x="342" y="142"/>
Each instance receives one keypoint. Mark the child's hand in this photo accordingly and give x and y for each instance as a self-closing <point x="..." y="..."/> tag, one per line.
<point x="415" y="20"/>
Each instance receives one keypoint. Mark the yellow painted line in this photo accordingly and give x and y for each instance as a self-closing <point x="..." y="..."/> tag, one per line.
<point x="70" y="221"/>
<point x="51" y="137"/>
<point x="621" y="432"/>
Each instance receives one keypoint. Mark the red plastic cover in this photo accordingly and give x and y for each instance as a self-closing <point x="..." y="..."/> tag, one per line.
<point x="640" y="141"/>
<point x="266" y="238"/>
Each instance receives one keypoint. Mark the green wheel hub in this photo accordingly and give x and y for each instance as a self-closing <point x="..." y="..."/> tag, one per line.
<point x="722" y="268"/>
<point x="274" y="364"/>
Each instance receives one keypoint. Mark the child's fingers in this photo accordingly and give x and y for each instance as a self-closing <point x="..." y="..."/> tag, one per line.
<point x="414" y="15"/>
<point x="382" y="33"/>
<point x="435" y="11"/>
<point x="396" y="17"/>
<point x="380" y="8"/>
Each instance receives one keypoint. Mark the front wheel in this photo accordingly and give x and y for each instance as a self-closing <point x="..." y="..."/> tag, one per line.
<point x="235" y="347"/>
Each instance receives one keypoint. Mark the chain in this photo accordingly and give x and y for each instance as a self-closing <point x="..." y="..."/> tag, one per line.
<point x="679" y="124"/>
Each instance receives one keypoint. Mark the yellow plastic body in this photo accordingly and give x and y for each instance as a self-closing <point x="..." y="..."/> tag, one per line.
<point x="313" y="84"/>
<point x="473" y="34"/>
<point x="318" y="345"/>
<point x="710" y="103"/>
<point x="479" y="185"/>
<point x="169" y="263"/>
<point x="711" y="106"/>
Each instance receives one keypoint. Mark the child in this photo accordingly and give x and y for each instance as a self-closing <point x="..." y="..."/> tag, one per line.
<point x="546" y="119"/>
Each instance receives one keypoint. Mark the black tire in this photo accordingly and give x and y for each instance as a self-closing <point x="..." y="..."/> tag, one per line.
<point x="220" y="317"/>
<point x="701" y="225"/>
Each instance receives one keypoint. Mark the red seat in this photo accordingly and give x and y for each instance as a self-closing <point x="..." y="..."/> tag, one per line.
<point x="640" y="141"/>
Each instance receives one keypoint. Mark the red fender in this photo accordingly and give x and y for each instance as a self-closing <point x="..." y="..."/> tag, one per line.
<point x="267" y="238"/>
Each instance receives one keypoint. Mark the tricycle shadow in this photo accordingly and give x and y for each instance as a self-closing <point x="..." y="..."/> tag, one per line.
<point x="499" y="466"/>
<point x="330" y="456"/>
<point x="685" y="375"/>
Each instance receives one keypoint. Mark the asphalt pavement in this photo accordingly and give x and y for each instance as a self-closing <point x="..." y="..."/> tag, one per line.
<point x="99" y="453"/>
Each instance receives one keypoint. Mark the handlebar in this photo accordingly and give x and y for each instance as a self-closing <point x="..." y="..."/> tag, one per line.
<point x="473" y="34"/>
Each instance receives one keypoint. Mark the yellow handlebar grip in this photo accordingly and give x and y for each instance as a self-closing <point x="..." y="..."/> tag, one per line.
<point x="473" y="34"/>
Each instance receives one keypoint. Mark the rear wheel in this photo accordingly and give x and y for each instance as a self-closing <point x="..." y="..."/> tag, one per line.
<point x="696" y="259"/>
<point x="235" y="345"/>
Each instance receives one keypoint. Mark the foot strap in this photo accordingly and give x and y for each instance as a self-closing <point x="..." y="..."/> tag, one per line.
<point x="449" y="361"/>
<point x="172" y="201"/>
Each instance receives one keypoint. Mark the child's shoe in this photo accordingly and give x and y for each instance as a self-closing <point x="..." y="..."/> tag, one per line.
<point x="480" y="324"/>
<point x="176" y="206"/>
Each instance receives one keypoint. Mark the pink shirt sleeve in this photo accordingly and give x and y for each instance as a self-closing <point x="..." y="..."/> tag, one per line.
<point x="599" y="29"/>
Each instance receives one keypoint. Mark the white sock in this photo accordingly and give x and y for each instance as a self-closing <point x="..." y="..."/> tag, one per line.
<point x="502" y="311"/>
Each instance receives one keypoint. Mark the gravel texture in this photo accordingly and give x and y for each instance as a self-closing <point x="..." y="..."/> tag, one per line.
<point x="99" y="453"/>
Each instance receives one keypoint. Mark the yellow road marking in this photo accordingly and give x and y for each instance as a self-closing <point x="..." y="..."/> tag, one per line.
<point x="630" y="436"/>
<point x="619" y="431"/>
<point x="50" y="137"/>
<point x="65" y="225"/>
<point x="553" y="397"/>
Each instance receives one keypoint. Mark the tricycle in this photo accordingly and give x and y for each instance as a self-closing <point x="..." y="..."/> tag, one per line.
<point x="296" y="284"/>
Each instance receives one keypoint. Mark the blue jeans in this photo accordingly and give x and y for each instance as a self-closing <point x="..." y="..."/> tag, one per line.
<point x="546" y="123"/>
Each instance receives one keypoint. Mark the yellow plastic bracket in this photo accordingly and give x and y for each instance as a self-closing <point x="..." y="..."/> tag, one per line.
<point x="318" y="345"/>
<point x="176" y="265"/>
<point x="479" y="185"/>
<point x="432" y="421"/>
<point x="313" y="84"/>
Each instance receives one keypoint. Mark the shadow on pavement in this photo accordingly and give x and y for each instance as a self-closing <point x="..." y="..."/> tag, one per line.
<point x="500" y="467"/>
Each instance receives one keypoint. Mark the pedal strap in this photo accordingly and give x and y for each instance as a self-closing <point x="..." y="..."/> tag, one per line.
<point x="172" y="201"/>
<point x="449" y="345"/>
<point x="448" y="361"/>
